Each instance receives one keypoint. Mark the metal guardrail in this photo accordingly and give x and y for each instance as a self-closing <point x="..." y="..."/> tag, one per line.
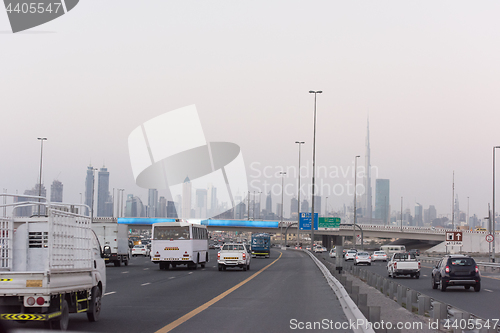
<point x="425" y="305"/>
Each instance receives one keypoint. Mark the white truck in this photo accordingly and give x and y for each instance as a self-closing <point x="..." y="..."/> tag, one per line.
<point x="234" y="255"/>
<point x="50" y="266"/>
<point x="113" y="238"/>
<point x="403" y="264"/>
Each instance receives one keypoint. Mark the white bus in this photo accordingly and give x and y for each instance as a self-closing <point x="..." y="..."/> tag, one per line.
<point x="391" y="249"/>
<point x="179" y="243"/>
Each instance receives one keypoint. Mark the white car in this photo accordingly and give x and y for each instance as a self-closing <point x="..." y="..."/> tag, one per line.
<point x="140" y="250"/>
<point x="350" y="255"/>
<point x="363" y="258"/>
<point x="333" y="253"/>
<point x="318" y="249"/>
<point x="379" y="255"/>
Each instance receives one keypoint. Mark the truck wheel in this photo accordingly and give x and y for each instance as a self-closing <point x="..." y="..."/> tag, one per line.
<point x="117" y="263"/>
<point x="417" y="275"/>
<point x="95" y="305"/>
<point x="202" y="265"/>
<point x="125" y="262"/>
<point x="245" y="267"/>
<point x="477" y="287"/>
<point x="220" y="267"/>
<point x="62" y="322"/>
<point x="248" y="267"/>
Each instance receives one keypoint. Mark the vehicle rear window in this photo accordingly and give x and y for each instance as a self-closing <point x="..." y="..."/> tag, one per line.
<point x="404" y="256"/>
<point x="171" y="232"/>
<point x="461" y="262"/>
<point x="231" y="247"/>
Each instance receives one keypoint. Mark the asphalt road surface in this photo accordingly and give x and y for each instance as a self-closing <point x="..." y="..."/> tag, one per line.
<point x="141" y="298"/>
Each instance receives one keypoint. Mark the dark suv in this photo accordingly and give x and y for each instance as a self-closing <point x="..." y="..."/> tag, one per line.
<point x="456" y="270"/>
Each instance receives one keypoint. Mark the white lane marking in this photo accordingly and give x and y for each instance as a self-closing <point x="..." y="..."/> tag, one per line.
<point x="489" y="290"/>
<point x="172" y="277"/>
<point x="110" y="293"/>
<point x="146" y="269"/>
<point x="145" y="284"/>
<point x="190" y="272"/>
<point x="424" y="275"/>
<point x="124" y="272"/>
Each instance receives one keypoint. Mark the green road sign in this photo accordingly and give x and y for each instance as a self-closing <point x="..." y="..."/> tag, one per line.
<point x="329" y="223"/>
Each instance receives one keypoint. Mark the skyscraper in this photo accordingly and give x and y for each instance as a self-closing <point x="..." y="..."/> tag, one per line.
<point x="186" y="199"/>
<point x="418" y="221"/>
<point x="293" y="206"/>
<point x="153" y="203"/>
<point x="269" y="203"/>
<point x="201" y="203"/>
<point x="382" y="200"/>
<point x="56" y="191"/>
<point x="367" y="180"/>
<point x="103" y="196"/>
<point x="89" y="184"/>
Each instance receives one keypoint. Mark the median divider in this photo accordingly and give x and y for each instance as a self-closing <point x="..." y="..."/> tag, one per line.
<point x="351" y="310"/>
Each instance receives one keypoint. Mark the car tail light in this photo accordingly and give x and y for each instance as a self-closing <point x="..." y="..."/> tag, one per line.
<point x="218" y="255"/>
<point x="30" y="301"/>
<point x="477" y="270"/>
<point x="40" y="301"/>
<point x="356" y="257"/>
<point x="369" y="257"/>
<point x="447" y="269"/>
<point x="419" y="265"/>
<point x="244" y="256"/>
<point x="395" y="265"/>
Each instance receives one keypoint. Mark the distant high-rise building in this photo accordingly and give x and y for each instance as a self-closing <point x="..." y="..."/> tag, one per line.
<point x="456" y="212"/>
<point x="293" y="206"/>
<point x="31" y="210"/>
<point x="382" y="200"/>
<point x="89" y="187"/>
<point x="278" y="210"/>
<point x="134" y="207"/>
<point x="367" y="180"/>
<point x="211" y="199"/>
<point x="152" y="202"/>
<point x="269" y="203"/>
<point x="103" y="192"/>
<point x="432" y="213"/>
<point x="201" y="203"/>
<point x="317" y="205"/>
<point x="171" y="211"/>
<point x="56" y="191"/>
<point x="304" y="206"/>
<point x="186" y="199"/>
<point x="161" y="210"/>
<point x="418" y="220"/>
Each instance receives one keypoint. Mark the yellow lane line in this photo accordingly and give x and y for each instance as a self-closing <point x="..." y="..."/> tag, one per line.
<point x="205" y="306"/>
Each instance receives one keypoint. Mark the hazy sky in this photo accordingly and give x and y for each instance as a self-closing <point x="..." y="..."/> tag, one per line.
<point x="426" y="74"/>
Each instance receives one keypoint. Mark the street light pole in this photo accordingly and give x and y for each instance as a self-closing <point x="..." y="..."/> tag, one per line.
<point x="355" y="178"/>
<point x="314" y="168"/>
<point x="40" y="184"/>
<point x="401" y="213"/>
<point x="93" y="186"/>
<point x="282" y="173"/>
<point x="298" y="195"/>
<point x="493" y="218"/>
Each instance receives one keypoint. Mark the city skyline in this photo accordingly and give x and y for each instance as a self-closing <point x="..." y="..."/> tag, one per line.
<point x="425" y="79"/>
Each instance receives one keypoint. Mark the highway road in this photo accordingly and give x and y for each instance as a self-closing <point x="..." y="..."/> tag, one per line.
<point x="142" y="298"/>
<point x="483" y="304"/>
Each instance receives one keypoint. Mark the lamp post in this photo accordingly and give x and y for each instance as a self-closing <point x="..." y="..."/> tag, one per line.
<point x="314" y="167"/>
<point x="493" y="218"/>
<point x="298" y="195"/>
<point x="355" y="179"/>
<point x="281" y="224"/>
<point x="92" y="205"/>
<point x="40" y="184"/>
<point x="326" y="207"/>
<point x="401" y="213"/>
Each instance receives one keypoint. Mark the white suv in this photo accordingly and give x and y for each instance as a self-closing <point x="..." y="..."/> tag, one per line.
<point x="350" y="255"/>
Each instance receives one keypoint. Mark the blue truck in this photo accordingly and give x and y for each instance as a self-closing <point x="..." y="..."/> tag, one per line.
<point x="261" y="245"/>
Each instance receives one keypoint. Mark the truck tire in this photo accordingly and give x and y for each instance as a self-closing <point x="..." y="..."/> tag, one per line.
<point x="220" y="267"/>
<point x="477" y="287"/>
<point x="117" y="263"/>
<point x="94" y="310"/>
<point x="245" y="267"/>
<point x="443" y="286"/>
<point x="62" y="322"/>
<point x="434" y="284"/>
<point x="248" y="267"/>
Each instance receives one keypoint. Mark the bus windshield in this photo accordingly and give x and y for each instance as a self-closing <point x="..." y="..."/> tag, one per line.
<point x="171" y="233"/>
